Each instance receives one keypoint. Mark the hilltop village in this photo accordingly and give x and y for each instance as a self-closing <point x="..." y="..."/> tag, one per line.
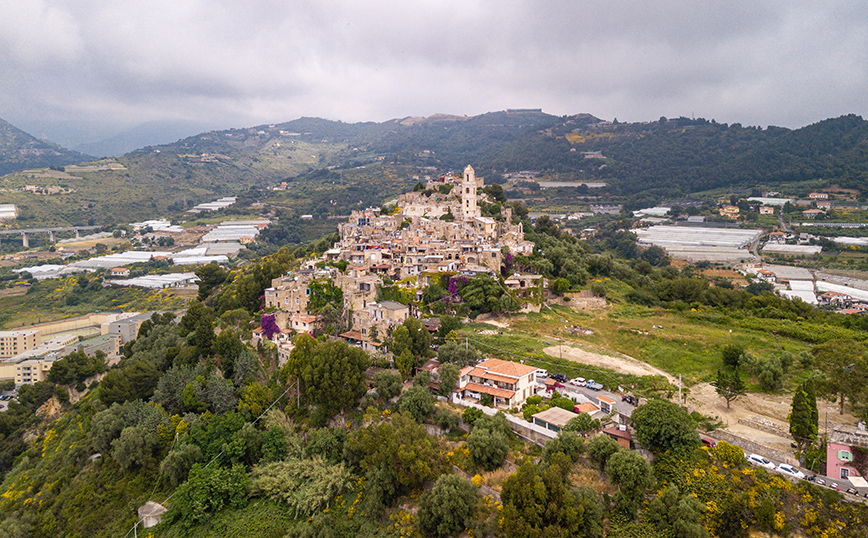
<point x="336" y="367"/>
<point x="438" y="230"/>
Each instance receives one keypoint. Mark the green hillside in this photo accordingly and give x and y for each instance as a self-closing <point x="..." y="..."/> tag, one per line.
<point x="654" y="160"/>
<point x="19" y="151"/>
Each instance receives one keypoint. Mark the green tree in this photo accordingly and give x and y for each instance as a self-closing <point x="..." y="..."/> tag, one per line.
<point x="388" y="384"/>
<point x="729" y="385"/>
<point x="770" y="373"/>
<point x="661" y="425"/>
<point x="680" y="515"/>
<point x="538" y="502"/>
<point x="481" y="295"/>
<point x="732" y="355"/>
<point x="447" y="325"/>
<point x="632" y="473"/>
<point x="448" y="374"/>
<point x="335" y="379"/>
<point x="177" y="464"/>
<point x="448" y="507"/>
<point x="471" y="415"/>
<point x="582" y="424"/>
<point x="417" y="401"/>
<point x="396" y="457"/>
<point x="457" y="353"/>
<point x="210" y="276"/>
<point x="208" y="490"/>
<point x="135" y="381"/>
<point x="560" y="285"/>
<point x="488" y="441"/>
<point x="600" y="448"/>
<point x="804" y="416"/>
<point x="323" y="293"/>
<point x="569" y="443"/>
<point x="844" y="364"/>
<point x="135" y="447"/>
<point x="307" y="486"/>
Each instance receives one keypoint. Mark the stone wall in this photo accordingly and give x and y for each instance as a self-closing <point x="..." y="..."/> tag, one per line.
<point x="765" y="426"/>
<point x="753" y="448"/>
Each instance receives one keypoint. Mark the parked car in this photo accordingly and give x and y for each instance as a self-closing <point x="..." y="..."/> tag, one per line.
<point x="853" y="491"/>
<point x="593" y="385"/>
<point x="834" y="485"/>
<point x="789" y="470"/>
<point x="578" y="381"/>
<point x="820" y="481"/>
<point x="559" y="377"/>
<point x="710" y="443"/>
<point x="542" y="373"/>
<point x="630" y="399"/>
<point x="756" y="459"/>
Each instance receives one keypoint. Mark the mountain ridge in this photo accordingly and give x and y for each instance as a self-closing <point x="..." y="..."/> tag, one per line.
<point x="20" y="150"/>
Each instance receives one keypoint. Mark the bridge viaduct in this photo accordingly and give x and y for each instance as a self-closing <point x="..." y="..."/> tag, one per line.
<point x="50" y="231"/>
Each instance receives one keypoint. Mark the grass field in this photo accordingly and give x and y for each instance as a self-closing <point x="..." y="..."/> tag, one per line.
<point x="679" y="345"/>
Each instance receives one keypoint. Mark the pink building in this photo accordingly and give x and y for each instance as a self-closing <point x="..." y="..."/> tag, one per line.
<point x="839" y="461"/>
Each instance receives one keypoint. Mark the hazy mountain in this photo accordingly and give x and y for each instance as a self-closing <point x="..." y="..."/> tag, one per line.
<point x="147" y="134"/>
<point x="20" y="151"/>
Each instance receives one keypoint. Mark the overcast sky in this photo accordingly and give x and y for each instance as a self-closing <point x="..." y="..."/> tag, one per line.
<point x="103" y="65"/>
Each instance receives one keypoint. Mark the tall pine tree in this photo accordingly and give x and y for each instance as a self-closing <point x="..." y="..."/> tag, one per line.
<point x="804" y="416"/>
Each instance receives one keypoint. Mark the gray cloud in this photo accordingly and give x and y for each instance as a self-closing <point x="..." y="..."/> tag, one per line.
<point x="122" y="62"/>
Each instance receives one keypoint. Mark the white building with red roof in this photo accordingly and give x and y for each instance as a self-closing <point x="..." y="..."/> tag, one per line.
<point x="509" y="383"/>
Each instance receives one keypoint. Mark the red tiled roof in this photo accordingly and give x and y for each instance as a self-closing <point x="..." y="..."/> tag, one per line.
<point x="500" y="393"/>
<point x="512" y="369"/>
<point x="615" y="432"/>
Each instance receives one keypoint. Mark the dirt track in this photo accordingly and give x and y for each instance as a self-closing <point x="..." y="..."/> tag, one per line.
<point x="621" y="364"/>
<point x="703" y="397"/>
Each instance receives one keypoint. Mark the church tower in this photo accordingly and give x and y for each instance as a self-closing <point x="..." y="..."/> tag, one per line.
<point x="468" y="195"/>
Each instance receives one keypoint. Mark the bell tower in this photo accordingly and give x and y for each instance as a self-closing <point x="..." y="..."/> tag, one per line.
<point x="468" y="194"/>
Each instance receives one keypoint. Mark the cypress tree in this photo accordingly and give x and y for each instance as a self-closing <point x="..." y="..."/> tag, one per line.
<point x="804" y="416"/>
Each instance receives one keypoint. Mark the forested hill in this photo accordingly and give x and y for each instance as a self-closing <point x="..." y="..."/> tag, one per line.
<point x="684" y="155"/>
<point x="668" y="156"/>
<point x="660" y="159"/>
<point x="20" y="151"/>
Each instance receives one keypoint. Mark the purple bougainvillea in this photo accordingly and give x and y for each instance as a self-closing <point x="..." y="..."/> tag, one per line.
<point x="269" y="326"/>
<point x="455" y="285"/>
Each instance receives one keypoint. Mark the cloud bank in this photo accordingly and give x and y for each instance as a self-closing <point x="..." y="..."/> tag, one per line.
<point x="120" y="63"/>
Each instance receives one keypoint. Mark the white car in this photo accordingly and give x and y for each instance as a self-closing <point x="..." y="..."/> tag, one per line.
<point x="789" y="470"/>
<point x="542" y="373"/>
<point x="578" y="381"/>
<point x="756" y="459"/>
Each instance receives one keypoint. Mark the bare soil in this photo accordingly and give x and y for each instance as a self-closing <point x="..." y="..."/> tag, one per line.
<point x="618" y="363"/>
<point x="772" y="409"/>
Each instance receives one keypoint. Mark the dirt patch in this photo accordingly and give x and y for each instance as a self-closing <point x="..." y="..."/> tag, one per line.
<point x="491" y="320"/>
<point x="621" y="363"/>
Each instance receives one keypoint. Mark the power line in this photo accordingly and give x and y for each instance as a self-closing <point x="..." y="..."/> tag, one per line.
<point x="215" y="458"/>
<point x="606" y="374"/>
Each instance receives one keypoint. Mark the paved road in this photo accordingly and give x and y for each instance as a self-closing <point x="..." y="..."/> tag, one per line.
<point x="842" y="484"/>
<point x="623" y="407"/>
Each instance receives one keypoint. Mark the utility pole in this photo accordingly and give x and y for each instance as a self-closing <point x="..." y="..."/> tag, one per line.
<point x="679" y="390"/>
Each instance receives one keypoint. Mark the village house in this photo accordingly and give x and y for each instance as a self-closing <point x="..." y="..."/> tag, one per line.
<point x="510" y="384"/>
<point x="121" y="272"/>
<point x="730" y="211"/>
<point x="813" y="213"/>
